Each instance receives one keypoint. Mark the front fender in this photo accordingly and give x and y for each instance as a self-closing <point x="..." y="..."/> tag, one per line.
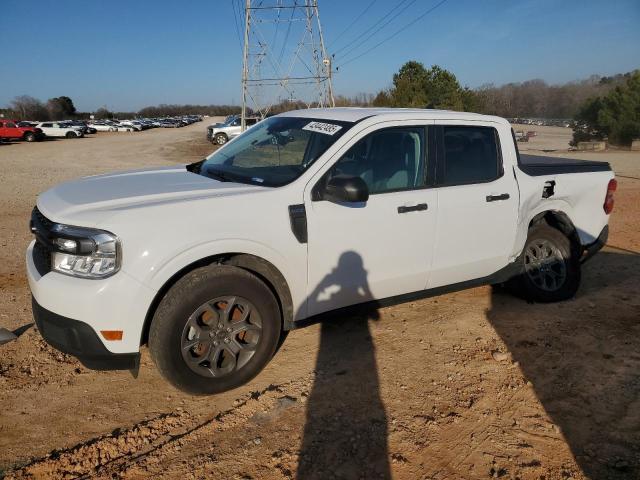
<point x="170" y="266"/>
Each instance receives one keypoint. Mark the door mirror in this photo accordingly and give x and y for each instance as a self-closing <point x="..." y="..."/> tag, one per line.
<point x="346" y="188"/>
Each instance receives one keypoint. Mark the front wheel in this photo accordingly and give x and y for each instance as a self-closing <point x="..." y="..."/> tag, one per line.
<point x="29" y="137"/>
<point x="221" y="138"/>
<point x="551" y="266"/>
<point x="71" y="135"/>
<point x="215" y="330"/>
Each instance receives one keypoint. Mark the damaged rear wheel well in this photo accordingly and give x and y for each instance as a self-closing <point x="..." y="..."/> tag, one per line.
<point x="560" y="221"/>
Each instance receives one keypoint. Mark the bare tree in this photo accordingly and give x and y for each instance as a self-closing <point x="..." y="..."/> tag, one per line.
<point x="29" y="108"/>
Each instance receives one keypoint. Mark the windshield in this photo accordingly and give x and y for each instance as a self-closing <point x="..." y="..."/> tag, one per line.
<point x="273" y="152"/>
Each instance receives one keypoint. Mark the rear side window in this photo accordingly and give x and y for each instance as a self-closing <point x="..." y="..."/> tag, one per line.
<point x="470" y="155"/>
<point x="11" y="125"/>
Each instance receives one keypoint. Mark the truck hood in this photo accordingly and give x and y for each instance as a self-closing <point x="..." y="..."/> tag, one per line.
<point x="90" y="200"/>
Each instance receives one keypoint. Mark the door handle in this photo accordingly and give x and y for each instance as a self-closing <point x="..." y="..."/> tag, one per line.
<point x="495" y="198"/>
<point x="415" y="208"/>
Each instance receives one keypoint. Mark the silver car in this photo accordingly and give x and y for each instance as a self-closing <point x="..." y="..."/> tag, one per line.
<point x="221" y="133"/>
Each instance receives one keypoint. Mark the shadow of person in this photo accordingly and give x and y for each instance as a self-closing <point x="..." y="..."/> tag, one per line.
<point x="345" y="434"/>
<point x="583" y="360"/>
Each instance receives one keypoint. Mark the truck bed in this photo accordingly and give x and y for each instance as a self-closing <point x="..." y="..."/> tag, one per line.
<point x="537" y="165"/>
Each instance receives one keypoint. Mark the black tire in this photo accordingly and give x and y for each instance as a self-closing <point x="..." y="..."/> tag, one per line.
<point x="220" y="139"/>
<point x="548" y="279"/>
<point x="29" y="137"/>
<point x="71" y="135"/>
<point x="188" y="368"/>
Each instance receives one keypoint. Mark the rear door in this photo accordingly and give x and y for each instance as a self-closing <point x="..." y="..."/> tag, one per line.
<point x="477" y="204"/>
<point x="380" y="248"/>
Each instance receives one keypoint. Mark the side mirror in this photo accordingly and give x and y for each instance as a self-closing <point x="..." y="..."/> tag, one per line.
<point x="346" y="188"/>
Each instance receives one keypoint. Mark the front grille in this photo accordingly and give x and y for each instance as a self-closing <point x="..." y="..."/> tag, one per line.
<point x="38" y="218"/>
<point x="41" y="226"/>
<point x="41" y="258"/>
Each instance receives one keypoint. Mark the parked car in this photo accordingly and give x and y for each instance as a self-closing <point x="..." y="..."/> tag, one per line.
<point x="521" y="136"/>
<point x="10" y="130"/>
<point x="60" y="129"/>
<point x="124" y="128"/>
<point x="103" y="127"/>
<point x="221" y="134"/>
<point x="307" y="213"/>
<point x="137" y="126"/>
<point x="25" y="123"/>
<point x="86" y="129"/>
<point x="169" y="123"/>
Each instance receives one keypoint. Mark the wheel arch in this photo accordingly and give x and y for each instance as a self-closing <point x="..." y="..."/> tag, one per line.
<point x="263" y="269"/>
<point x="562" y="222"/>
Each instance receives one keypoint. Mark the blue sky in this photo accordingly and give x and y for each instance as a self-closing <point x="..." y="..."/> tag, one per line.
<point x="129" y="54"/>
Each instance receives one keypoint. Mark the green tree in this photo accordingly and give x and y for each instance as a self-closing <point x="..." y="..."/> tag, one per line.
<point x="410" y="86"/>
<point x="382" y="99"/>
<point x="443" y="90"/>
<point x="102" y="113"/>
<point x="418" y="87"/>
<point x="61" y="108"/>
<point x="615" y="116"/>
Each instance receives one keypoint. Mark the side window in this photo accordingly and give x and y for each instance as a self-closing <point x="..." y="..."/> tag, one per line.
<point x="387" y="160"/>
<point x="11" y="125"/>
<point x="47" y="125"/>
<point x="470" y="155"/>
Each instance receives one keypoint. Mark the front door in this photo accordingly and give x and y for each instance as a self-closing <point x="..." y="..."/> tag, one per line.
<point x="382" y="247"/>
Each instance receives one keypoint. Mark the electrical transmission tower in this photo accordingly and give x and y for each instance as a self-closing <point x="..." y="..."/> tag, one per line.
<point x="284" y="58"/>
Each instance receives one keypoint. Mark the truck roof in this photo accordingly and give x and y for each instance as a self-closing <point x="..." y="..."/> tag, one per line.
<point x="355" y="114"/>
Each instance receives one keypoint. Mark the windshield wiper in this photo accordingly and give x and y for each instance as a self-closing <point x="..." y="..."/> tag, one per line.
<point x="218" y="175"/>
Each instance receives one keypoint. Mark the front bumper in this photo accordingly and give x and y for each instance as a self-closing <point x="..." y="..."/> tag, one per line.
<point x="118" y="302"/>
<point x="80" y="340"/>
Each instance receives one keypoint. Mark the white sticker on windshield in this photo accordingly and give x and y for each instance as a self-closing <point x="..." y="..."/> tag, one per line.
<point x="320" y="127"/>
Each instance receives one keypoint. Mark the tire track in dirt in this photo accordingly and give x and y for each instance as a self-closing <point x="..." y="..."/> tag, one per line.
<point x="122" y="450"/>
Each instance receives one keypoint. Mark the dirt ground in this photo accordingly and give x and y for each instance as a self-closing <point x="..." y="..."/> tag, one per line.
<point x="475" y="384"/>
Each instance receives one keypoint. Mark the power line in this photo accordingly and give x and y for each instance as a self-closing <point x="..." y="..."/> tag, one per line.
<point x="395" y="34"/>
<point x="236" y="22"/>
<point x="384" y="17"/>
<point x="286" y="36"/>
<point x="367" y="8"/>
<point x="375" y="32"/>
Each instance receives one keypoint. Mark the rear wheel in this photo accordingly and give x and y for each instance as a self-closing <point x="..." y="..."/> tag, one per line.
<point x="215" y="330"/>
<point x="71" y="135"/>
<point x="551" y="266"/>
<point x="221" y="138"/>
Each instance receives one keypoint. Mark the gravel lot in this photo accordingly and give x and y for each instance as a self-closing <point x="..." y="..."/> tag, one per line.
<point x="474" y="384"/>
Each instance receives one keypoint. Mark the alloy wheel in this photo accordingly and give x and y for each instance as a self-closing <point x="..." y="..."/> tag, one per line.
<point x="545" y="265"/>
<point x="221" y="336"/>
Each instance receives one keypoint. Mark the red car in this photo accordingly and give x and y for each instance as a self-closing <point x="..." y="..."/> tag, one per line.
<point x="9" y="130"/>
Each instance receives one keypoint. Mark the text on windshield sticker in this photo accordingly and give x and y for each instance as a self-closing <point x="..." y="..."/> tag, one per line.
<point x="320" y="127"/>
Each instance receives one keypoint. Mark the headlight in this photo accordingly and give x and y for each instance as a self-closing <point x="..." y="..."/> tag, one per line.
<point x="84" y="252"/>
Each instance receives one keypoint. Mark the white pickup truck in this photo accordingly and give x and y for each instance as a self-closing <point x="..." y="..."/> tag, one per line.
<point x="306" y="213"/>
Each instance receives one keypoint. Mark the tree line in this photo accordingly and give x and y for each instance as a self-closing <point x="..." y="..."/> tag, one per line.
<point x="603" y="107"/>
